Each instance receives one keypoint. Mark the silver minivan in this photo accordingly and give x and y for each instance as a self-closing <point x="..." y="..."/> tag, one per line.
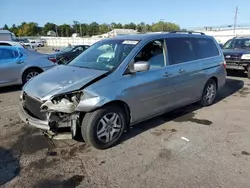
<point x="121" y="81"/>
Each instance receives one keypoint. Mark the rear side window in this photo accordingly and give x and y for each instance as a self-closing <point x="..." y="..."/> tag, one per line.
<point x="6" y="54"/>
<point x="180" y="50"/>
<point x="205" y="48"/>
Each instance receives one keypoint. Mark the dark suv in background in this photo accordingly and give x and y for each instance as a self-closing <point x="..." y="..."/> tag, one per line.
<point x="237" y="54"/>
<point x="65" y="55"/>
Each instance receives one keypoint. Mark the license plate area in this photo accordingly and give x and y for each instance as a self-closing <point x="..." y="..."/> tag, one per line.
<point x="235" y="66"/>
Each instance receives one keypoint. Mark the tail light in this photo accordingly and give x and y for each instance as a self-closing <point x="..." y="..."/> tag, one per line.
<point x="53" y="59"/>
<point x="225" y="64"/>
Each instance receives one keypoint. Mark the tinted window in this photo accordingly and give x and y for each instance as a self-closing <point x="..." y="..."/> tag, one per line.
<point x="180" y="50"/>
<point x="8" y="54"/>
<point x="153" y="53"/>
<point x="205" y="48"/>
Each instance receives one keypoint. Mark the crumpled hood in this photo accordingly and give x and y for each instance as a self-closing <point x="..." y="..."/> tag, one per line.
<point x="235" y="51"/>
<point x="60" y="79"/>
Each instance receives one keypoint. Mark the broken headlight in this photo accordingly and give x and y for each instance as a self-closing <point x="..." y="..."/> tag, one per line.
<point x="65" y="103"/>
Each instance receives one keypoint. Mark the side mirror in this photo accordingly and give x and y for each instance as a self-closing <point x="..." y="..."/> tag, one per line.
<point x="139" y="66"/>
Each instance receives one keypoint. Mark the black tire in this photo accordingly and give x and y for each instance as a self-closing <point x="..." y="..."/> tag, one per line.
<point x="248" y="72"/>
<point x="26" y="74"/>
<point x="204" y="99"/>
<point x="91" y="122"/>
<point x="76" y="132"/>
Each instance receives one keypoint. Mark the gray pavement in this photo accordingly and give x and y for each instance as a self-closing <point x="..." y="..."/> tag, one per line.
<point x="191" y="147"/>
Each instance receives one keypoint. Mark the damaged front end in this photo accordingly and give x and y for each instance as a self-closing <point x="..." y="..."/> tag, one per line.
<point x="61" y="112"/>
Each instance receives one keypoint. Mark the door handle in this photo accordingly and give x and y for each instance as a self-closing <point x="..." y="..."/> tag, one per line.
<point x="166" y="74"/>
<point x="20" y="62"/>
<point x="181" y="71"/>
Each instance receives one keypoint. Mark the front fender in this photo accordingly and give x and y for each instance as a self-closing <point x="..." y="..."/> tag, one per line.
<point x="92" y="103"/>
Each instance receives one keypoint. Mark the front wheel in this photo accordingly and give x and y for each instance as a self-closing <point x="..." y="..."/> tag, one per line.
<point x="104" y="127"/>
<point x="209" y="93"/>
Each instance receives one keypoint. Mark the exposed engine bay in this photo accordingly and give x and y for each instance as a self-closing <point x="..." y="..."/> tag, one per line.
<point x="61" y="111"/>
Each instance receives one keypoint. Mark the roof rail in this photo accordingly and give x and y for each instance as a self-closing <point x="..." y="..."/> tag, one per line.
<point x="189" y="32"/>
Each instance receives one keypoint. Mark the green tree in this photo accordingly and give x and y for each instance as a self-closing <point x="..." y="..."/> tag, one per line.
<point x="142" y="27"/>
<point x="14" y="29"/>
<point x="6" y="27"/>
<point x="65" y="30"/>
<point x="104" y="28"/>
<point x="85" y="31"/>
<point x="114" y="25"/>
<point x="48" y="27"/>
<point x="131" y="25"/>
<point x="28" y="29"/>
<point x="93" y="28"/>
<point x="164" y="26"/>
<point x="76" y="27"/>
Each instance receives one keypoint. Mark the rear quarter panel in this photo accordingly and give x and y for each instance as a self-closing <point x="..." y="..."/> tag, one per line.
<point x="213" y="67"/>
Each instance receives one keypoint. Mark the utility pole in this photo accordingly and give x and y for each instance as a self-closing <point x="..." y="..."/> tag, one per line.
<point x="80" y="29"/>
<point x="56" y="32"/>
<point x="235" y="18"/>
<point x="162" y="20"/>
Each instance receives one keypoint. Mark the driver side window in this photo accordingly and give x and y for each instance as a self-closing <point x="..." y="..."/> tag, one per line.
<point x="153" y="53"/>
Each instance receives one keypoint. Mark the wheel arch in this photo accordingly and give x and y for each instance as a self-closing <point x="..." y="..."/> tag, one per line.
<point x="30" y="68"/>
<point x="215" y="79"/>
<point x="123" y="105"/>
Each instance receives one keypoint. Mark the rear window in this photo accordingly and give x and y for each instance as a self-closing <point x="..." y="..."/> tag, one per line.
<point x="181" y="50"/>
<point x="206" y="48"/>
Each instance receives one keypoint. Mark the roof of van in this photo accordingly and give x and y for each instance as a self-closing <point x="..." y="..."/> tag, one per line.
<point x="4" y="31"/>
<point x="159" y="35"/>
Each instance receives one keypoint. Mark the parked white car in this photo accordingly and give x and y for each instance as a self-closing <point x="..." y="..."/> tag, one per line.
<point x="32" y="43"/>
<point x="10" y="43"/>
<point x="36" y="44"/>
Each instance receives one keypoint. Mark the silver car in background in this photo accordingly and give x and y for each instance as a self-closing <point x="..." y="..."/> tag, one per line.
<point x="19" y="65"/>
<point x="122" y="81"/>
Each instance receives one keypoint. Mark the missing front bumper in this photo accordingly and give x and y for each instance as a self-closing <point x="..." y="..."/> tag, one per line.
<point x="44" y="126"/>
<point x="41" y="124"/>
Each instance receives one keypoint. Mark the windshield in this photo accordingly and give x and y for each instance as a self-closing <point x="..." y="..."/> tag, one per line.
<point x="104" y="55"/>
<point x="237" y="44"/>
<point x="66" y="49"/>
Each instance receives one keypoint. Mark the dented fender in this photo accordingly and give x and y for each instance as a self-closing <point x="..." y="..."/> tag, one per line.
<point x="90" y="102"/>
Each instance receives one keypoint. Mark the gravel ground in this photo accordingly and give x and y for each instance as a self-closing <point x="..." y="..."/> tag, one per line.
<point x="189" y="148"/>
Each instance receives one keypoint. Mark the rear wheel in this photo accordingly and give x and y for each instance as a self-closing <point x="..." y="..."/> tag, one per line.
<point x="29" y="74"/>
<point x="209" y="93"/>
<point x="104" y="127"/>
